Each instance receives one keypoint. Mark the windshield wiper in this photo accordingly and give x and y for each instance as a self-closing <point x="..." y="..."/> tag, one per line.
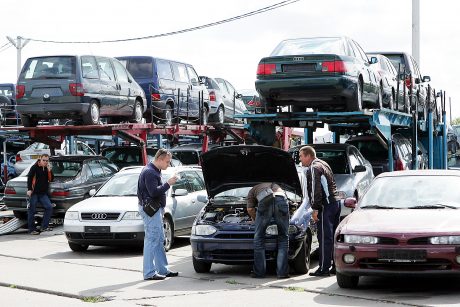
<point x="433" y="206"/>
<point x="377" y="207"/>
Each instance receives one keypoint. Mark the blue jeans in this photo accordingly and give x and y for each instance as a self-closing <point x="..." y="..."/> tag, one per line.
<point x="328" y="220"/>
<point x="46" y="203"/>
<point x="277" y="209"/>
<point x="155" y="261"/>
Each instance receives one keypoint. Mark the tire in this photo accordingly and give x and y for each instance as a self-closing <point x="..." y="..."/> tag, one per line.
<point x="201" y="266"/>
<point x="219" y="117"/>
<point x="346" y="281"/>
<point x="301" y="262"/>
<point x="168" y="115"/>
<point x="78" y="247"/>
<point x="28" y="122"/>
<point x="92" y="117"/>
<point x="20" y="214"/>
<point x="138" y="113"/>
<point x="168" y="228"/>
<point x="357" y="104"/>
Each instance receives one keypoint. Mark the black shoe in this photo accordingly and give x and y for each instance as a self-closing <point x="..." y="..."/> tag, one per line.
<point x="254" y="275"/>
<point x="172" y="274"/>
<point x="34" y="232"/>
<point x="156" y="277"/>
<point x="319" y="273"/>
<point x="332" y="271"/>
<point x="284" y="277"/>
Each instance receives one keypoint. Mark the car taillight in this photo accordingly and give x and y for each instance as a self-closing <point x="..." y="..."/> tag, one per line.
<point x="251" y="103"/>
<point x="18" y="158"/>
<point x="399" y="165"/>
<point x="20" y="91"/>
<point x="60" y="193"/>
<point x="155" y="97"/>
<point x="10" y="190"/>
<point x="76" y="89"/>
<point x="408" y="82"/>
<point x="266" y="69"/>
<point x="334" y="66"/>
<point x="212" y="96"/>
<point x="257" y="104"/>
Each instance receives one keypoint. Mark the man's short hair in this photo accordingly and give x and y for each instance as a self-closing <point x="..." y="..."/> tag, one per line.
<point x="308" y="151"/>
<point x="162" y="152"/>
<point x="44" y="155"/>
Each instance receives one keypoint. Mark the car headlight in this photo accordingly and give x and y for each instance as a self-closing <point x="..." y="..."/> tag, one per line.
<point x="132" y="215"/>
<point x="272" y="230"/>
<point x="445" y="240"/>
<point x="355" y="239"/>
<point x="203" y="230"/>
<point x="71" y="215"/>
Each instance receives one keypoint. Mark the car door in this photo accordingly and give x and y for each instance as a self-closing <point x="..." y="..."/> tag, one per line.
<point x="359" y="178"/>
<point x="369" y="81"/>
<point x="198" y="188"/>
<point x="96" y="175"/>
<point x="196" y="90"/>
<point x="226" y="97"/>
<point x="109" y="87"/>
<point x="182" y="205"/>
<point x="126" y="99"/>
<point x="368" y="174"/>
<point x="238" y="102"/>
<point x="184" y="102"/>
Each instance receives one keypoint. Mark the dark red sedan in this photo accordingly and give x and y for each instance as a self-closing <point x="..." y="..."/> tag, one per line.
<point x="408" y="223"/>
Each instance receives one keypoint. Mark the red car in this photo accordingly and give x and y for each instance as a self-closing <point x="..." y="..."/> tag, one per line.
<point x="407" y="223"/>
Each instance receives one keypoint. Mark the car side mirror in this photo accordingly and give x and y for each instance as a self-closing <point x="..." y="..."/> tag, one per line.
<point x="238" y="96"/>
<point x="180" y="192"/>
<point x="426" y="79"/>
<point x="359" y="169"/>
<point x="92" y="192"/>
<point x="373" y="60"/>
<point x="419" y="152"/>
<point x="202" y="198"/>
<point x="350" y="202"/>
<point x="417" y="80"/>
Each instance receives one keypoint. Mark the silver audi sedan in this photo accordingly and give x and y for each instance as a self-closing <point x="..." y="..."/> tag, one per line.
<point x="110" y="216"/>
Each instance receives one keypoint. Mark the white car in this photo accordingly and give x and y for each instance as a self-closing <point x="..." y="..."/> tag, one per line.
<point x="28" y="156"/>
<point x="111" y="217"/>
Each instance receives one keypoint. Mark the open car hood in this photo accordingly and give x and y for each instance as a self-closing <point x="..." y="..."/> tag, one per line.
<point x="230" y="167"/>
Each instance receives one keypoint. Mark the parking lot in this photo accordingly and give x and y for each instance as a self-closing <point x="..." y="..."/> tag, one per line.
<point x="45" y="271"/>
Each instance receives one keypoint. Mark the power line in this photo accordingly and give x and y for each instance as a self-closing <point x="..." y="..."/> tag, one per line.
<point x="4" y="45"/>
<point x="252" y="13"/>
<point x="7" y="46"/>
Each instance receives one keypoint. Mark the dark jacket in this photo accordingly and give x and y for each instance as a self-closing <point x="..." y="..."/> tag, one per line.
<point x="321" y="186"/>
<point x="150" y="185"/>
<point x="39" y="178"/>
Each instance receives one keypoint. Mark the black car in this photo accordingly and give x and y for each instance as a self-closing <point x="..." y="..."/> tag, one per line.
<point x="189" y="154"/>
<point x="323" y="73"/>
<point x="74" y="177"/>
<point x="223" y="231"/>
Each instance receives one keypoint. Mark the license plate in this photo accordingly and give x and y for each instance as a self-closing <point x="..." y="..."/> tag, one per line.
<point x="34" y="156"/>
<point x="57" y="221"/>
<point x="402" y="255"/>
<point x="97" y="229"/>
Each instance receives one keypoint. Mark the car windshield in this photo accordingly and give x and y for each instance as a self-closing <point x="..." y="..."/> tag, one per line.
<point x="372" y="150"/>
<point x="404" y="192"/>
<point x="324" y="45"/>
<point x="56" y="67"/>
<point x="186" y="157"/>
<point x="120" y="185"/>
<point x="397" y="59"/>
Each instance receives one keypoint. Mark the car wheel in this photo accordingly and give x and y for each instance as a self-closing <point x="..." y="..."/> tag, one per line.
<point x="28" y="122"/>
<point x="20" y="214"/>
<point x="201" y="266"/>
<point x="301" y="262"/>
<point x="78" y="247"/>
<point x="346" y="281"/>
<point x="168" y="229"/>
<point x="168" y="115"/>
<point x="92" y="117"/>
<point x="137" y="115"/>
<point x="220" y="115"/>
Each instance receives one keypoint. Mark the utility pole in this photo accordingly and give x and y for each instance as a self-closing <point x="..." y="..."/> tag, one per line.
<point x="450" y="111"/>
<point x="416" y="30"/>
<point x="19" y="44"/>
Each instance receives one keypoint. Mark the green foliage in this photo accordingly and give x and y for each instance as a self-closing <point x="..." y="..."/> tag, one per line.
<point x="456" y="121"/>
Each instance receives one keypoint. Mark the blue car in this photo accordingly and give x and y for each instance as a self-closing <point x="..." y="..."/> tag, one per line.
<point x="223" y="232"/>
<point x="10" y="166"/>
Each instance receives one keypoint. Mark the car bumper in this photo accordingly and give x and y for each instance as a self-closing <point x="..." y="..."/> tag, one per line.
<point x="53" y="110"/>
<point x="438" y="261"/>
<point x="308" y="92"/>
<point x="115" y="233"/>
<point x="62" y="205"/>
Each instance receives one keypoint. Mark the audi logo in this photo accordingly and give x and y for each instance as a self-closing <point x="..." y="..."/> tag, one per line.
<point x="99" y="216"/>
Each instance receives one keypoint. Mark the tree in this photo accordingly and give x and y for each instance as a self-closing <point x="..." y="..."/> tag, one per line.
<point x="456" y="121"/>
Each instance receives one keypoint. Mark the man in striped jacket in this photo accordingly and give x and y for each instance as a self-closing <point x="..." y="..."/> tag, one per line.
<point x="324" y="200"/>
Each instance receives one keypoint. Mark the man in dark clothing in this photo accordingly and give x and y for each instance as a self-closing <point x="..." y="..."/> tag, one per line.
<point x="38" y="179"/>
<point x="150" y="185"/>
<point x="271" y="203"/>
<point x="325" y="202"/>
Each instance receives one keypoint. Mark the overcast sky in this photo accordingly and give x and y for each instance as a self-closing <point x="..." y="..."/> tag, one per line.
<point x="233" y="50"/>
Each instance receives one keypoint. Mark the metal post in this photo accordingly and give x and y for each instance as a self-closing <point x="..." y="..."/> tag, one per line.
<point x="308" y="135"/>
<point x="415" y="148"/>
<point x="450" y="111"/>
<point x="336" y="137"/>
<point x="286" y="137"/>
<point x="19" y="44"/>
<point x="430" y="138"/>
<point x="390" y="155"/>
<point x="444" y="131"/>
<point x="416" y="30"/>
<point x="5" y="162"/>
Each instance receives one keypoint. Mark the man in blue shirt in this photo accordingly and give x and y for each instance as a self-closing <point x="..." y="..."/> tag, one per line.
<point x="151" y="186"/>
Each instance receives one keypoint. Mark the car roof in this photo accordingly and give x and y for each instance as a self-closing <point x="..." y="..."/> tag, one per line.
<point x="196" y="146"/>
<point x="77" y="158"/>
<point x="425" y="172"/>
<point x="323" y="146"/>
<point x="170" y="170"/>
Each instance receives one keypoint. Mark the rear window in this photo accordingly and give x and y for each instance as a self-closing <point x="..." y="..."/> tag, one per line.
<point x="325" y="45"/>
<point x="140" y="67"/>
<point x="186" y="157"/>
<point x="336" y="159"/>
<point x="62" y="67"/>
<point x="371" y="150"/>
<point x="66" y="168"/>
<point x="6" y="91"/>
<point x="397" y="59"/>
<point x="211" y="84"/>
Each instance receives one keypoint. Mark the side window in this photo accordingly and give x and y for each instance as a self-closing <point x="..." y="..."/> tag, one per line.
<point x="193" y="76"/>
<point x="89" y="67"/>
<point x="222" y="85"/>
<point x="231" y="89"/>
<point x="180" y="72"/>
<point x="194" y="180"/>
<point x="164" y="70"/>
<point x="182" y="183"/>
<point x="417" y="71"/>
<point x="351" y="50"/>
<point x="361" y="52"/>
<point x="353" y="160"/>
<point x="122" y="76"/>
<point x="96" y="169"/>
<point x="105" y="69"/>
<point x="108" y="168"/>
<point x="359" y="156"/>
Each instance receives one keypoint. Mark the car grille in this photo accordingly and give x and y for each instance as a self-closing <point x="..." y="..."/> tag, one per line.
<point x="418" y="241"/>
<point x="238" y="254"/>
<point x="388" y="241"/>
<point x="299" y="67"/>
<point x="234" y="236"/>
<point x="429" y="264"/>
<point x="97" y="216"/>
<point x="103" y="236"/>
